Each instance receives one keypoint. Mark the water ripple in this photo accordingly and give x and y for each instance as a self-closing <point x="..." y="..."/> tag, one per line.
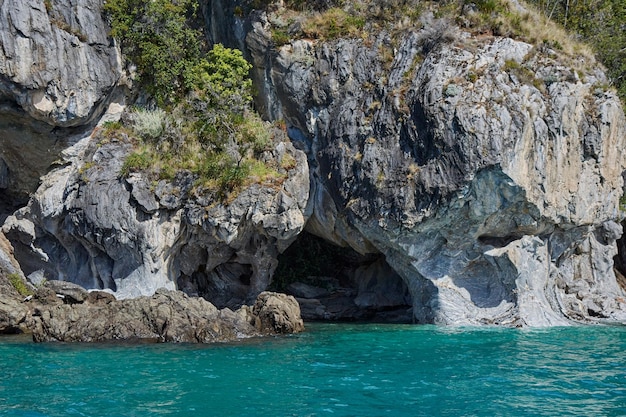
<point x="343" y="370"/>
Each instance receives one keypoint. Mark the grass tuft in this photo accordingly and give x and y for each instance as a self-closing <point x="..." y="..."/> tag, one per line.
<point x="20" y="286"/>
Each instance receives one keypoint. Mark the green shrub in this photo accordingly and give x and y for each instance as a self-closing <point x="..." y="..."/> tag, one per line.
<point x="222" y="80"/>
<point x="280" y="36"/>
<point x="161" y="38"/>
<point x="112" y="125"/>
<point x="20" y="286"/>
<point x="511" y="65"/>
<point x="137" y="161"/>
<point x="210" y="127"/>
<point x="234" y="176"/>
<point x="254" y="136"/>
<point x="488" y="6"/>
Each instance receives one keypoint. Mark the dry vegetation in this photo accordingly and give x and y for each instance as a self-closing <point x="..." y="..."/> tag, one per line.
<point x="362" y="18"/>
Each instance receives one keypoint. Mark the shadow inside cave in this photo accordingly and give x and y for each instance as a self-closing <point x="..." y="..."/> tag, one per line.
<point x="334" y="283"/>
<point x="619" y="260"/>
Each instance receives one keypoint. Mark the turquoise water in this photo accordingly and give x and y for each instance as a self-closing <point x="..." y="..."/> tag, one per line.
<point x="331" y="370"/>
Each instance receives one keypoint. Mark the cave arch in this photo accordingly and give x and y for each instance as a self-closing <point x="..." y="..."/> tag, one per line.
<point x="338" y="284"/>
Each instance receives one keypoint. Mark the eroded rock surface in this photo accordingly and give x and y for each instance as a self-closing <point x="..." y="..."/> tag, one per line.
<point x="484" y="169"/>
<point x="89" y="225"/>
<point x="166" y="316"/>
<point x="58" y="72"/>
<point x="277" y="314"/>
<point x="57" y="62"/>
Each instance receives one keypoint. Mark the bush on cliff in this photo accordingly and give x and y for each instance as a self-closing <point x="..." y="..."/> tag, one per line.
<point x="601" y="23"/>
<point x="19" y="284"/>
<point x="161" y="39"/>
<point x="209" y="127"/>
<point x="213" y="132"/>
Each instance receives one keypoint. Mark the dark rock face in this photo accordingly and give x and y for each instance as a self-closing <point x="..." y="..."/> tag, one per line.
<point x="166" y="316"/>
<point x="339" y="284"/>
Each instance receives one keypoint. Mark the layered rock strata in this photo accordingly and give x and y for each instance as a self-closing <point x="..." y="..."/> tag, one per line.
<point x="68" y="313"/>
<point x="486" y="170"/>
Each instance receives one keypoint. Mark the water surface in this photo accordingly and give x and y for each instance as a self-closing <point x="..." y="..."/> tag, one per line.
<point x="331" y="370"/>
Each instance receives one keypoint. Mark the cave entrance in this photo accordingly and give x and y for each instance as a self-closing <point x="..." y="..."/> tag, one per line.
<point x="334" y="283"/>
<point x="10" y="203"/>
<point x="619" y="261"/>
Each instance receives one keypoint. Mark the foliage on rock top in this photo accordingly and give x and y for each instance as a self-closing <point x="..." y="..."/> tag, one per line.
<point x="601" y="23"/>
<point x="19" y="284"/>
<point x="213" y="132"/>
<point x="161" y="38"/>
<point x="209" y="127"/>
<point x="364" y="19"/>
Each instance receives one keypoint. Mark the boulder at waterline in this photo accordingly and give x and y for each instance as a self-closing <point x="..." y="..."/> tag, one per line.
<point x="166" y="316"/>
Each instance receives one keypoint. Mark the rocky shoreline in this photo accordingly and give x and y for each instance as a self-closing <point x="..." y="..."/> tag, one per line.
<point x="64" y="312"/>
<point x="482" y="173"/>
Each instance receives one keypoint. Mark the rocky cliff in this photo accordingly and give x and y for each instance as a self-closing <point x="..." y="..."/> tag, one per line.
<point x="58" y="70"/>
<point x="485" y="171"/>
<point x="65" y="312"/>
<point x="88" y="225"/>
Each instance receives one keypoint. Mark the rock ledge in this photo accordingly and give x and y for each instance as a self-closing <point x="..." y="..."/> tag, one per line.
<point x="167" y="316"/>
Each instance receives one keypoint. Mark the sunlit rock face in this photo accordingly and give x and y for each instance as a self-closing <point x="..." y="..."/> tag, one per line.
<point x="90" y="225"/>
<point x="85" y="223"/>
<point x="57" y="63"/>
<point x="485" y="171"/>
<point x="493" y="193"/>
<point x="58" y="71"/>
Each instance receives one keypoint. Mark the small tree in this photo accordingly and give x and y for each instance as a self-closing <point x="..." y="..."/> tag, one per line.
<point x="210" y="127"/>
<point x="221" y="95"/>
<point x="158" y="36"/>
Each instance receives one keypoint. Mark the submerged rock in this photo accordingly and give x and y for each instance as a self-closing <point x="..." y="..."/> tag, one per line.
<point x="166" y="316"/>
